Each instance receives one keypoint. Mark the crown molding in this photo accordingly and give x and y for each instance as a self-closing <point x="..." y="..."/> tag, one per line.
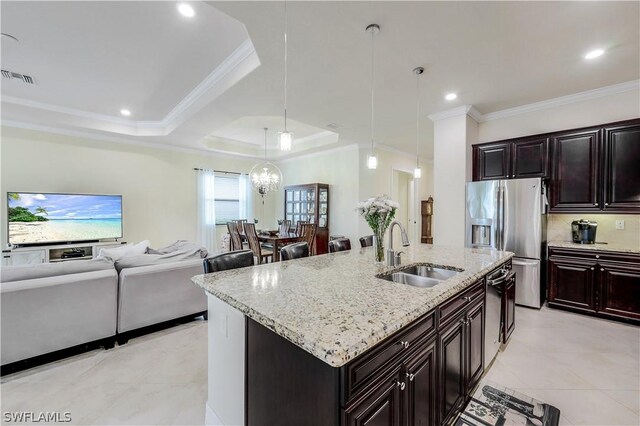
<point x="469" y="110"/>
<point x="238" y="64"/>
<point x="563" y="100"/>
<point x="123" y="141"/>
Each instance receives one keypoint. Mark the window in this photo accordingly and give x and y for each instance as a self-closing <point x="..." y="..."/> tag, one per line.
<point x="227" y="198"/>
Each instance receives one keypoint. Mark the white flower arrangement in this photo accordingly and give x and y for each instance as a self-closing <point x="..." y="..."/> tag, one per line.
<point x="378" y="212"/>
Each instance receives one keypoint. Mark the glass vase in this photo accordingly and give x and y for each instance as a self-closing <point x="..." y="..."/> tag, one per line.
<point x="378" y="246"/>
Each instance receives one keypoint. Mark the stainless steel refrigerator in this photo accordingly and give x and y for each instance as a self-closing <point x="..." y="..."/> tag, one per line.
<point x="510" y="215"/>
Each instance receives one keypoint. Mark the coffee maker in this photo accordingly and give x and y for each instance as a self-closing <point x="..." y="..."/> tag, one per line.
<point x="584" y="231"/>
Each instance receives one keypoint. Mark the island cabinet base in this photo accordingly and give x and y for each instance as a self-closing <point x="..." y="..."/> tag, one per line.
<point x="404" y="380"/>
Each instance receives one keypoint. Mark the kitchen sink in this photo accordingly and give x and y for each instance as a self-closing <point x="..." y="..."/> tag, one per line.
<point x="424" y="276"/>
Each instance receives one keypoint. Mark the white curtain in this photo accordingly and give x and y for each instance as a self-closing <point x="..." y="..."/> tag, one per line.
<point x="246" y="198"/>
<point x="206" y="210"/>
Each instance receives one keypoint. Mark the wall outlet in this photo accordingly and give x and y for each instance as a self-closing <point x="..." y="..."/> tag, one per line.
<point x="619" y="224"/>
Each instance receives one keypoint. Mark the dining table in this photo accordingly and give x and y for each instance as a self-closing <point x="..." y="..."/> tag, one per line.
<point x="277" y="241"/>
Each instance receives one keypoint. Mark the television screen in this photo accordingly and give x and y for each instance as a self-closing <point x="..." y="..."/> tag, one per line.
<point x="47" y="218"/>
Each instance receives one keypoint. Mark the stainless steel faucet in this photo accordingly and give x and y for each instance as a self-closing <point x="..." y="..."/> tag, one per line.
<point x="393" y="258"/>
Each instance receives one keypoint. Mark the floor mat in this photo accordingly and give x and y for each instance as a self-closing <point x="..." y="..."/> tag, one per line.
<point x="495" y="405"/>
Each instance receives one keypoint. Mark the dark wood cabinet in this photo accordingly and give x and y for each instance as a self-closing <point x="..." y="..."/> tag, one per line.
<point x="621" y="168"/>
<point x="603" y="284"/>
<point x="309" y="203"/>
<point x="420" y="371"/>
<point x="380" y="407"/>
<point x="509" y="308"/>
<point x="475" y="345"/>
<point x="530" y="158"/>
<point x="452" y="369"/>
<point x="575" y="178"/>
<point x="492" y="161"/>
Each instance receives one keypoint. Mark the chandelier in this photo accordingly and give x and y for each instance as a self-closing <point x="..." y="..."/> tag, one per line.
<point x="265" y="177"/>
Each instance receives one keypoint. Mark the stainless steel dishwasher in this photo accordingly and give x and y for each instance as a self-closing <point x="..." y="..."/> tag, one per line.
<point x="493" y="328"/>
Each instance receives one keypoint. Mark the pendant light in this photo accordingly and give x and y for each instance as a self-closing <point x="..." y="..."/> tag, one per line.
<point x="265" y="177"/>
<point x="285" y="137"/>
<point x="417" y="172"/>
<point x="372" y="159"/>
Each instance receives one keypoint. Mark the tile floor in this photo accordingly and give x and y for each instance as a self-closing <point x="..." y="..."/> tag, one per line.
<point x="588" y="368"/>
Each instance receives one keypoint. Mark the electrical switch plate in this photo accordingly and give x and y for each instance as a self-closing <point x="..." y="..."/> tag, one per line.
<point x="619" y="224"/>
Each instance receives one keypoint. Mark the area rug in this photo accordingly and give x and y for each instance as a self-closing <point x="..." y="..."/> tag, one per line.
<point x="496" y="405"/>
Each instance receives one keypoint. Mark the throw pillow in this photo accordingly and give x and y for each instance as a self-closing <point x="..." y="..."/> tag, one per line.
<point x="126" y="250"/>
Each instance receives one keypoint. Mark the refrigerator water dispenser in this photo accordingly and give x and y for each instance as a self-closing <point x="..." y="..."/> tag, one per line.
<point x="481" y="235"/>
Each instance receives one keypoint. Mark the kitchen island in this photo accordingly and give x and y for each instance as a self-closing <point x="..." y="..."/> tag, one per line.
<point x="323" y="340"/>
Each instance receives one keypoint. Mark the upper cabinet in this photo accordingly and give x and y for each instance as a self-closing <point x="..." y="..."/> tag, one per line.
<point x="575" y="179"/>
<point x="591" y="169"/>
<point x="511" y="159"/>
<point x="622" y="168"/>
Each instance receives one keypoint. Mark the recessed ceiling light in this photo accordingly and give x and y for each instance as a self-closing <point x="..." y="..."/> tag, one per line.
<point x="594" y="54"/>
<point x="125" y="112"/>
<point x="450" y="96"/>
<point x="186" y="10"/>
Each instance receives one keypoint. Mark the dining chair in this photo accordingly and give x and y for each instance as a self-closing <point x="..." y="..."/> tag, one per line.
<point x="294" y="251"/>
<point x="236" y="241"/>
<point x="254" y="244"/>
<point x="335" y="237"/>
<point x="366" y="241"/>
<point x="225" y="261"/>
<point x="308" y="234"/>
<point x="339" y="244"/>
<point x="299" y="227"/>
<point x="285" y="228"/>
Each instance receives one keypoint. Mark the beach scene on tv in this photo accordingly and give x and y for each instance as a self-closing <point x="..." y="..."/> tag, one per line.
<point x="46" y="218"/>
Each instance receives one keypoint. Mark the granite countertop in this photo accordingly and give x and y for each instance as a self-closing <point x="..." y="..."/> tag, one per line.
<point x="596" y="246"/>
<point x="333" y="306"/>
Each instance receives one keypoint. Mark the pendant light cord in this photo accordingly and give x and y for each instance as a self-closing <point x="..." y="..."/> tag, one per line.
<point x="373" y="34"/>
<point x="265" y="144"/>
<point x="417" y="119"/>
<point x="285" y="66"/>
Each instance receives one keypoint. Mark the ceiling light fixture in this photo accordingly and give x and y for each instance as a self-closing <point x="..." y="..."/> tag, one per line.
<point x="265" y="177"/>
<point x="417" y="172"/>
<point x="594" y="54"/>
<point x="372" y="159"/>
<point x="125" y="112"/>
<point x="450" y="96"/>
<point x="286" y="137"/>
<point x="186" y="10"/>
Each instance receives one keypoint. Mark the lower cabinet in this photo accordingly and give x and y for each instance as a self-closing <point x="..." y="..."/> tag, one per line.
<point x="509" y="308"/>
<point x="420" y="375"/>
<point x="380" y="407"/>
<point x="461" y="357"/>
<point x="603" y="284"/>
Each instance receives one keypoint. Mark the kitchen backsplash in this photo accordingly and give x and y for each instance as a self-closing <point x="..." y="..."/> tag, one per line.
<point x="559" y="228"/>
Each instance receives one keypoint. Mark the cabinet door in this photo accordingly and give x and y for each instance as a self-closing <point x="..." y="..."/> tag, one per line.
<point x="622" y="171"/>
<point x="451" y="369"/>
<point x="492" y="161"/>
<point x="31" y="257"/>
<point x="475" y="344"/>
<point x="619" y="290"/>
<point x="508" y="309"/>
<point x="572" y="283"/>
<point x="575" y="178"/>
<point x="381" y="407"/>
<point x="420" y="376"/>
<point x="531" y="158"/>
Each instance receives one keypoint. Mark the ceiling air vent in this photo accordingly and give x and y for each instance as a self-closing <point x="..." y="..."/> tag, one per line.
<point x="14" y="75"/>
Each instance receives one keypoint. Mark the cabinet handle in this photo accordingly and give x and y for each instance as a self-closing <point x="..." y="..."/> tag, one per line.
<point x="602" y="269"/>
<point x="404" y="344"/>
<point x="400" y="385"/>
<point x="411" y="376"/>
<point x="466" y="298"/>
<point x="592" y="268"/>
<point x="595" y="204"/>
<point x="597" y="256"/>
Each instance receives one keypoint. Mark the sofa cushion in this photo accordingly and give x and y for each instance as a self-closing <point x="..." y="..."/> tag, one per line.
<point x="157" y="259"/>
<point x="44" y="270"/>
<point x="124" y="250"/>
<point x="179" y="246"/>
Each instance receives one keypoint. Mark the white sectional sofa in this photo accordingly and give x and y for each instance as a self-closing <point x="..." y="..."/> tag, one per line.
<point x="54" y="306"/>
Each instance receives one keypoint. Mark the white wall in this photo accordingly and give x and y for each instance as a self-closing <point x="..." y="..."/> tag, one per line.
<point x="606" y="109"/>
<point x="157" y="185"/>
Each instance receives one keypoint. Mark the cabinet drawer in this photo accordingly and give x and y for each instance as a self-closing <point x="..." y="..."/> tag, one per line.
<point x="359" y="374"/>
<point x="450" y="309"/>
<point x="594" y="255"/>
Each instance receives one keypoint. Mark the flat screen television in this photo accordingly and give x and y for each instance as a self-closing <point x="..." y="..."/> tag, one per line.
<point x="41" y="218"/>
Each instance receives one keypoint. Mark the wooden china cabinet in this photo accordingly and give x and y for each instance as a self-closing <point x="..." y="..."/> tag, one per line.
<point x="309" y="202"/>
